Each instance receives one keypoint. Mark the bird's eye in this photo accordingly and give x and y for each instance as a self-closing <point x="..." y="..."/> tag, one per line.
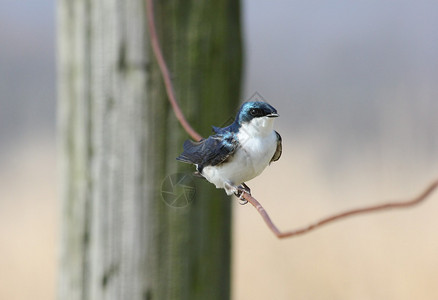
<point x="254" y="112"/>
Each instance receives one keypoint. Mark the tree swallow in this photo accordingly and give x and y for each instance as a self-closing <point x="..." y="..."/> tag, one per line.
<point x="238" y="152"/>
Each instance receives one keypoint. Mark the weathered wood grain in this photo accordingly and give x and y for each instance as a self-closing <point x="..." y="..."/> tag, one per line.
<point x="118" y="140"/>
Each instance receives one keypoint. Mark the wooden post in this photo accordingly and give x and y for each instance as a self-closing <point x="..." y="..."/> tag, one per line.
<point x="121" y="237"/>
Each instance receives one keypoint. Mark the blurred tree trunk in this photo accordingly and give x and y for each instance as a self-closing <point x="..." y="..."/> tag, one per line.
<point x="118" y="139"/>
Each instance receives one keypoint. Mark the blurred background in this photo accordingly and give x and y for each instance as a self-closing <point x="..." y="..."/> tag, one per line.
<point x="356" y="86"/>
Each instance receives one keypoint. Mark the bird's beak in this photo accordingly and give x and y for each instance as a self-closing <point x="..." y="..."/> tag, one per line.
<point x="273" y="115"/>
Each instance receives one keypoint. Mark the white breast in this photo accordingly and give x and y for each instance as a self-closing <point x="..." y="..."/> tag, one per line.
<point x="258" y="142"/>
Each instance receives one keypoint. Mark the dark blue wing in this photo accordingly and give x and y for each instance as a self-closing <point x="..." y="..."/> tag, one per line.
<point x="210" y="151"/>
<point x="278" y="151"/>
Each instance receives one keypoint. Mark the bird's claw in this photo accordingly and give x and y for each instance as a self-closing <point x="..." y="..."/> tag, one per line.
<point x="240" y="194"/>
<point x="243" y="201"/>
<point x="240" y="191"/>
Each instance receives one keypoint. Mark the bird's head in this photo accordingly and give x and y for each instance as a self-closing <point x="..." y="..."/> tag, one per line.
<point x="252" y="110"/>
<point x="259" y="115"/>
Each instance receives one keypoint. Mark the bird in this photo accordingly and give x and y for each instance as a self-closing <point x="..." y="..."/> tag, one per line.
<point x="239" y="152"/>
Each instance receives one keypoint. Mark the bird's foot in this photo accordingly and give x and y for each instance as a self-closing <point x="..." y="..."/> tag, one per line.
<point x="246" y="188"/>
<point x="240" y="191"/>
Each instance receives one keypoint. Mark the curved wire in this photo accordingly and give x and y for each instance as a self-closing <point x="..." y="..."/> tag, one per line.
<point x="165" y="73"/>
